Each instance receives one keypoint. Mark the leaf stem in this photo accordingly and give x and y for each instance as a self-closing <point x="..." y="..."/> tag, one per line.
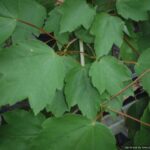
<point x="82" y="59"/>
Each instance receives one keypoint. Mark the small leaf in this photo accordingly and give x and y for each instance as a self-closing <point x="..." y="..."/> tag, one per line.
<point x="53" y="25"/>
<point x="109" y="75"/>
<point x="73" y="132"/>
<point x="133" y="9"/>
<point x="108" y="30"/>
<point x="30" y="70"/>
<point x="143" y="65"/>
<point x="79" y="90"/>
<point x="74" y="14"/>
<point x="10" y="11"/>
<point x="84" y="35"/>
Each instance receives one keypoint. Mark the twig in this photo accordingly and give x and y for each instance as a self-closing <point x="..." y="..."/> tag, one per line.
<point x="91" y="50"/>
<point x="75" y="52"/>
<point x="59" y="2"/>
<point x="89" y="56"/>
<point x="130" y="62"/>
<point x="122" y="114"/>
<point x="75" y="111"/>
<point x="132" y="47"/>
<point x="128" y="116"/>
<point x="100" y="115"/>
<point x="131" y="84"/>
<point x="69" y="44"/>
<point x="119" y="93"/>
<point x="38" y="28"/>
<point x="48" y="41"/>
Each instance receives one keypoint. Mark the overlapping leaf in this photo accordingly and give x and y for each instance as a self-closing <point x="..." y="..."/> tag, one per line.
<point x="142" y="66"/>
<point x="126" y="52"/>
<point x="30" y="70"/>
<point x="49" y="4"/>
<point x="143" y="135"/>
<point x="84" y="35"/>
<point x="79" y="90"/>
<point x="74" y="14"/>
<point x="7" y="27"/>
<point x="73" y="132"/>
<point x="70" y="63"/>
<point x="133" y="9"/>
<point x="21" y="128"/>
<point x="136" y="110"/>
<point x="109" y="75"/>
<point x="108" y="30"/>
<point x="53" y="25"/>
<point x="58" y="105"/>
<point x="10" y="11"/>
<point x="105" y="5"/>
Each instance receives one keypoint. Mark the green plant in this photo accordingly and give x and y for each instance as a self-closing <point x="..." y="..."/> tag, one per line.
<point x="95" y="46"/>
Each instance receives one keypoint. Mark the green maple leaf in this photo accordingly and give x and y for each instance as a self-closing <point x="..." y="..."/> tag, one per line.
<point x="21" y="128"/>
<point x="73" y="132"/>
<point x="109" y="75"/>
<point x="10" y="11"/>
<point x="74" y="14"/>
<point x="133" y="9"/>
<point x="30" y="70"/>
<point x="53" y="25"/>
<point x="143" y="65"/>
<point x="108" y="30"/>
<point x="79" y="90"/>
